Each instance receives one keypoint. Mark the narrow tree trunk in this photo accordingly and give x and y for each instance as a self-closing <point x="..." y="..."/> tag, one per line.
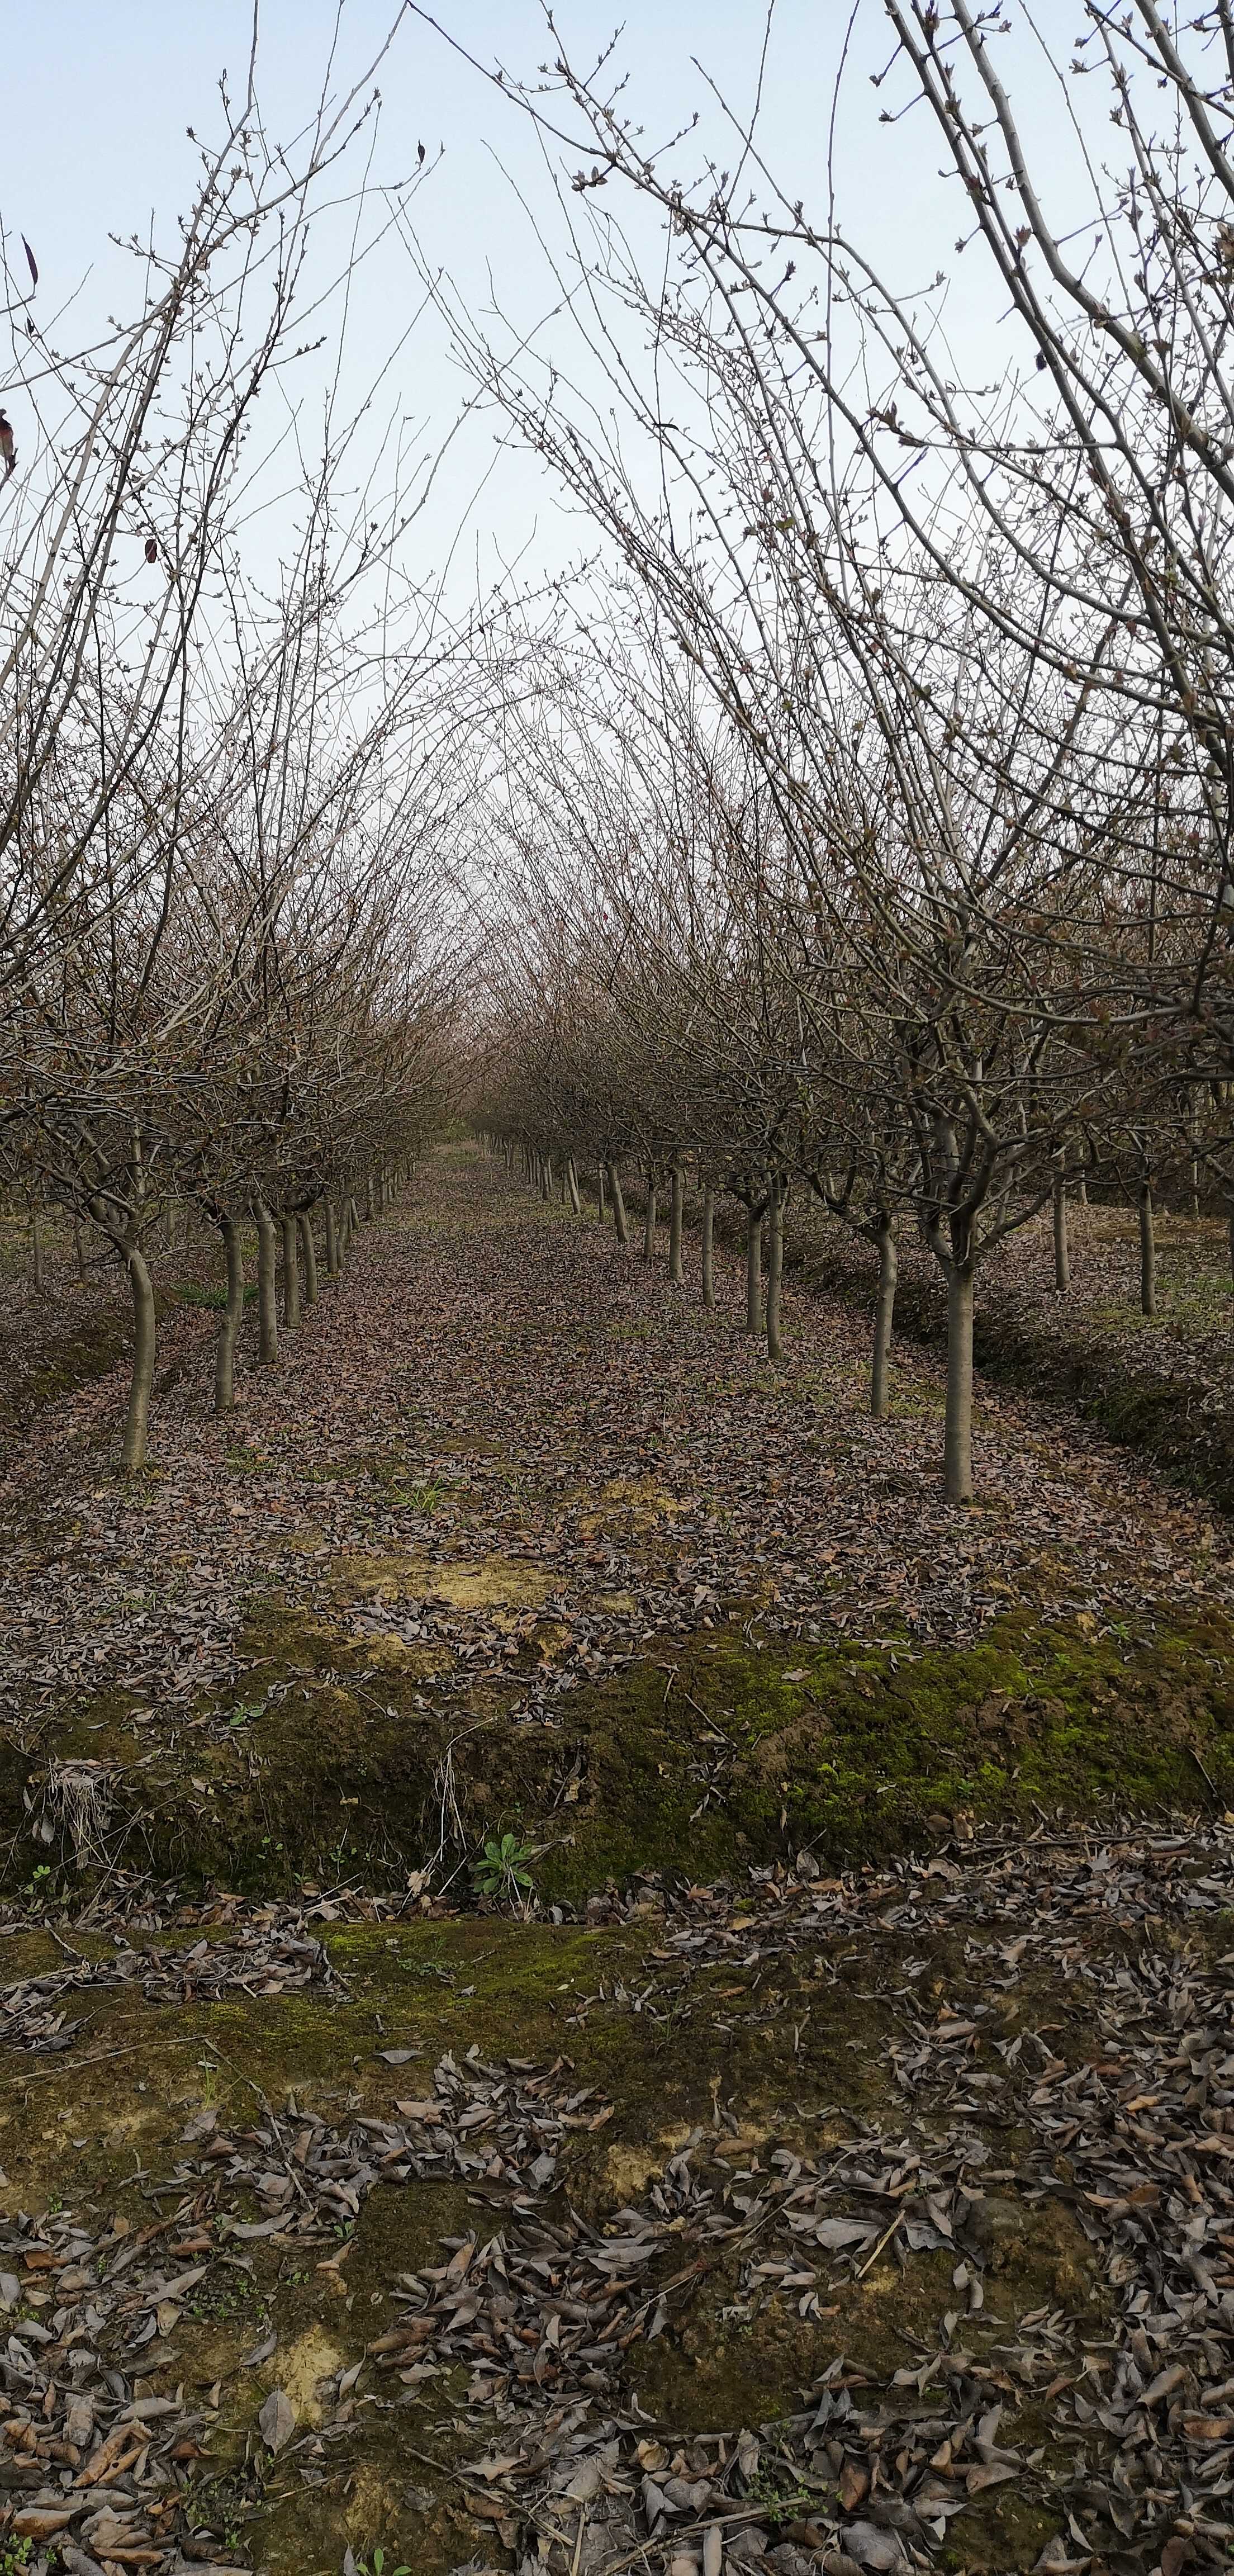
<point x="572" y="1185"/>
<point x="754" y="1272"/>
<point x="620" y="1227"/>
<point x="1148" y="1252"/>
<point x="80" y="1249"/>
<point x="291" y="1275"/>
<point x="604" y="1208"/>
<point x="369" y="1209"/>
<point x="267" y="1308"/>
<point x="36" y="1243"/>
<point x="331" y="1241"/>
<point x="230" y="1320"/>
<point x="884" y="1316"/>
<point x="1062" y="1258"/>
<point x="958" y="1429"/>
<point x="1081" y="1189"/>
<point x="304" y="1227"/>
<point x="775" y="1266"/>
<point x="143" y="1361"/>
<point x="675" y="1270"/>
<point x="649" y="1219"/>
<point x="709" y="1227"/>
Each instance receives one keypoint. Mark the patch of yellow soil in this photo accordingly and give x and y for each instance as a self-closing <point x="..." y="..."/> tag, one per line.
<point x="302" y="2371"/>
<point x="631" y="1503"/>
<point x="481" y="1583"/>
<point x="629" y="2169"/>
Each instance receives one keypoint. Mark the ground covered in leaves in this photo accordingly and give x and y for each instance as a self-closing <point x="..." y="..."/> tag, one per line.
<point x="814" y="2153"/>
<point x="1163" y="1384"/>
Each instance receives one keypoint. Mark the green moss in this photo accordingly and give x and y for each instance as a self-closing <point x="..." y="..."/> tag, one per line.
<point x="718" y="1753"/>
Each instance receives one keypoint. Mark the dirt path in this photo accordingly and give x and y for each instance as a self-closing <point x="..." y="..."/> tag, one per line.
<point x="505" y="1493"/>
<point x="740" y="2209"/>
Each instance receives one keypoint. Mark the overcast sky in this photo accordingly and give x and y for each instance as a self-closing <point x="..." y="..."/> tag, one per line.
<point x="96" y="103"/>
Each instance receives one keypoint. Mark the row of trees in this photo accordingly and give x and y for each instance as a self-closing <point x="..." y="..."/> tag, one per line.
<point x="681" y="986"/>
<point x="886" y="848"/>
<point x="226" y="730"/>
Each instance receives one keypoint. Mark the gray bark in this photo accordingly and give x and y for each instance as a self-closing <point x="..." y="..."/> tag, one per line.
<point x="369" y="1210"/>
<point x="675" y="1270"/>
<point x="1148" y="1251"/>
<point x="775" y="1266"/>
<point x="709" y="1227"/>
<point x="332" y="1240"/>
<point x="958" y="1426"/>
<point x="620" y="1226"/>
<point x="304" y="1224"/>
<point x="884" y="1316"/>
<point x="142" y="1382"/>
<point x="603" y="1206"/>
<point x="291" y="1275"/>
<point x="649" y="1220"/>
<point x="267" y="1307"/>
<point x="1062" y="1256"/>
<point x="754" y="1272"/>
<point x="230" y="1320"/>
<point x="572" y="1185"/>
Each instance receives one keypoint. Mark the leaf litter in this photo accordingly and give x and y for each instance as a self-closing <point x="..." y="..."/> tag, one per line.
<point x="527" y="2354"/>
<point x="1111" y="2413"/>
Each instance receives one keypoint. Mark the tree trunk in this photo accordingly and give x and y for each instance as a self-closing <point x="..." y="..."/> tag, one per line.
<point x="620" y="1227"/>
<point x="36" y="1243"/>
<point x="267" y="1309"/>
<point x="1148" y="1252"/>
<point x="331" y="1241"/>
<point x="291" y="1275"/>
<point x="754" y="1272"/>
<point x="958" y="1429"/>
<point x="572" y="1185"/>
<point x="80" y="1249"/>
<point x="649" y="1220"/>
<point x="304" y="1227"/>
<point x="675" y="1270"/>
<point x="884" y="1316"/>
<point x="1231" y="1231"/>
<point x="709" y="1227"/>
<point x="143" y="1361"/>
<point x="604" y="1208"/>
<point x="369" y="1210"/>
<point x="775" y="1266"/>
<point x="230" y="1320"/>
<point x="1081" y="1189"/>
<point x="1062" y="1258"/>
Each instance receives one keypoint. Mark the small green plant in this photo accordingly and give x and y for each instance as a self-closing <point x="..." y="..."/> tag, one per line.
<point x="502" y="1869"/>
<point x="374" y="2566"/>
<point x="17" y="2555"/>
<point x="245" y="1711"/>
<point x="426" y="1497"/>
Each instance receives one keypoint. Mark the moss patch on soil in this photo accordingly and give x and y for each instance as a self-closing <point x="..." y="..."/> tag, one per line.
<point x="708" y="2066"/>
<point x="717" y="1752"/>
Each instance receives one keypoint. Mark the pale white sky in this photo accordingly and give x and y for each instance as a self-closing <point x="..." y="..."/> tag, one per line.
<point x="95" y="103"/>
